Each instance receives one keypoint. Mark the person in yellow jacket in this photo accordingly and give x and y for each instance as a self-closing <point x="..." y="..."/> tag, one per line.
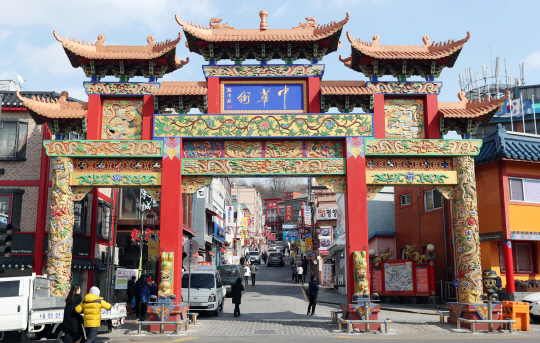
<point x="91" y="308"/>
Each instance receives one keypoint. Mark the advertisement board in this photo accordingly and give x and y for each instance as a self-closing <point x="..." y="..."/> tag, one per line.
<point x="326" y="213"/>
<point x="289" y="226"/>
<point x="289" y="236"/>
<point x="123" y="276"/>
<point x="307" y="215"/>
<point x="309" y="246"/>
<point x="229" y="216"/>
<point x="288" y="213"/>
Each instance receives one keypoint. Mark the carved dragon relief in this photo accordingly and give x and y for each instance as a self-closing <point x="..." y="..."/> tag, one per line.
<point x="310" y="23"/>
<point x="215" y="23"/>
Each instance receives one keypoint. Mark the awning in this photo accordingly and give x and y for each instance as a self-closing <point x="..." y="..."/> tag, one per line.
<point x="99" y="264"/>
<point x="189" y="230"/>
<point x="213" y="213"/>
<point x="219" y="240"/>
<point x="16" y="262"/>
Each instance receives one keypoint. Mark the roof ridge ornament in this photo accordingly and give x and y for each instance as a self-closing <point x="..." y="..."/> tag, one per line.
<point x="311" y="22"/>
<point x="215" y="23"/>
<point x="263" y="14"/>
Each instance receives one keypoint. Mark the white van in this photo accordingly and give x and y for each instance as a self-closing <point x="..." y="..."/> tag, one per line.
<point x="207" y="292"/>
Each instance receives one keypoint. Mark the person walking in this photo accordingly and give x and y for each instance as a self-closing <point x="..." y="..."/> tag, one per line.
<point x="300" y="274"/>
<point x="145" y="298"/>
<point x="247" y="274"/>
<point x="131" y="289"/>
<point x="313" y="289"/>
<point x="265" y="257"/>
<point x="138" y="289"/>
<point x="236" y="294"/>
<point x="91" y="308"/>
<point x="153" y="287"/>
<point x="294" y="272"/>
<point x="242" y="260"/>
<point x="253" y="271"/>
<point x="72" y="324"/>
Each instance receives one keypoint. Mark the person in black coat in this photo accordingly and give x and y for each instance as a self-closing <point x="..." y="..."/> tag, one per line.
<point x="313" y="289"/>
<point x="236" y="293"/>
<point x="72" y="324"/>
<point x="138" y="290"/>
<point x="131" y="289"/>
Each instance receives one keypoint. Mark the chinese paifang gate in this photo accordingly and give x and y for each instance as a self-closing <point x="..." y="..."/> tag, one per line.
<point x="263" y="119"/>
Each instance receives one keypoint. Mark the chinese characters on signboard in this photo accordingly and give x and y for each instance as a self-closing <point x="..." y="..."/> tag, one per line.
<point x="267" y="97"/>
<point x="288" y="213"/>
<point x="325" y="213"/>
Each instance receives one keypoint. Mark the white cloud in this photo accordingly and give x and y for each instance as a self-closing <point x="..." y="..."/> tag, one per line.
<point x="533" y="61"/>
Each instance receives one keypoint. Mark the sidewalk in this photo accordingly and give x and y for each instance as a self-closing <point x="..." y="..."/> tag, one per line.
<point x="331" y="296"/>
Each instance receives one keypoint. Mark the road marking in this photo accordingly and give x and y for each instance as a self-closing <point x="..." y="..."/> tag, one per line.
<point x="304" y="293"/>
<point x="157" y="338"/>
<point x="431" y="338"/>
<point x="182" y="339"/>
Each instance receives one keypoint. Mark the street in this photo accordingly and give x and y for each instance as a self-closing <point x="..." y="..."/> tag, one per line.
<point x="275" y="307"/>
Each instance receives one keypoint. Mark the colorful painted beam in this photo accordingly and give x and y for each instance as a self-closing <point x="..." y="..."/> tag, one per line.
<point x="275" y="70"/>
<point x="426" y="164"/>
<point x="407" y="177"/>
<point x="78" y="148"/>
<point x="121" y="88"/>
<point x="119" y="179"/>
<point x="263" y="125"/>
<point x="263" y="166"/>
<point x="396" y="87"/>
<point x="423" y="147"/>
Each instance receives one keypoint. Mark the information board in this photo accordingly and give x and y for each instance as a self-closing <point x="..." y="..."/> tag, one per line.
<point x="422" y="280"/>
<point x="377" y="280"/>
<point x="398" y="277"/>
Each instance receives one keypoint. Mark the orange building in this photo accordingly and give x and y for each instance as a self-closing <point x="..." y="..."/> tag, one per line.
<point x="508" y="181"/>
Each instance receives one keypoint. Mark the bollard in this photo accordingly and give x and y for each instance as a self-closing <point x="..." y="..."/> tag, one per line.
<point x="138" y="327"/>
<point x="162" y="326"/>
<point x="458" y="322"/>
<point x="386" y="326"/>
<point x="366" y="314"/>
<point x="473" y="327"/>
<point x="349" y="327"/>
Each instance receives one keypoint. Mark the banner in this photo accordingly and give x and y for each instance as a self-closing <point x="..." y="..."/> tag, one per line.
<point x="229" y="216"/>
<point x="123" y="276"/>
<point x="309" y="246"/>
<point x="288" y="213"/>
<point x="153" y="248"/>
<point x="289" y="236"/>
<point x="307" y="215"/>
<point x="325" y="239"/>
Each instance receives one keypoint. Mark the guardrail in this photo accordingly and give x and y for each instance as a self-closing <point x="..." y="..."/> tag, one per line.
<point x="367" y="322"/>
<point x="161" y="324"/>
<point x="508" y="323"/>
<point x="443" y="314"/>
<point x="334" y="315"/>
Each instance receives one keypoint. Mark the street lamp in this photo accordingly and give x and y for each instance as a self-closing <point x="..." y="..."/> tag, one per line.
<point x="430" y="252"/>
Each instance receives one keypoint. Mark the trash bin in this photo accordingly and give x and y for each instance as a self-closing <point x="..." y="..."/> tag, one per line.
<point x="518" y="311"/>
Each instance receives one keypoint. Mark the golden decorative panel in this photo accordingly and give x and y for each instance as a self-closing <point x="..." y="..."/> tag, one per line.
<point x="404" y="118"/>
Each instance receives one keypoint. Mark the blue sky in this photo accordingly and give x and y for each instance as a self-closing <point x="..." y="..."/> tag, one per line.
<point x="28" y="48"/>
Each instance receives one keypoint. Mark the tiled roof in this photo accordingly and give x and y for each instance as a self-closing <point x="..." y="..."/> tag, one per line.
<point x="98" y="51"/>
<point x="217" y="32"/>
<point x="41" y="110"/>
<point x="182" y="88"/>
<point x="428" y="51"/>
<point x="10" y="97"/>
<point x="502" y="144"/>
<point x="482" y="109"/>
<point x="345" y="88"/>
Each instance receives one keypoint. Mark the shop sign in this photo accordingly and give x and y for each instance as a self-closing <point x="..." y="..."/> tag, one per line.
<point x="309" y="246"/>
<point x="289" y="236"/>
<point x="289" y="226"/>
<point x="307" y="215"/>
<point x="272" y="204"/>
<point x="326" y="213"/>
<point x="23" y="243"/>
<point x="136" y="236"/>
<point x="229" y="216"/>
<point x="123" y="276"/>
<point x="153" y="248"/>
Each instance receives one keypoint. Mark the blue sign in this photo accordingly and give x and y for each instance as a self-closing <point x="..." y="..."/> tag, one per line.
<point x="219" y="231"/>
<point x="307" y="235"/>
<point x="264" y="97"/>
<point x="456" y="282"/>
<point x="289" y="236"/>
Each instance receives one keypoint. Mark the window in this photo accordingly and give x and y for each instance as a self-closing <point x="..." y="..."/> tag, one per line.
<point x="524" y="189"/>
<point x="5" y="208"/>
<point x="74" y="135"/>
<point x="9" y="289"/>
<point x="405" y="199"/>
<point x="11" y="206"/>
<point x="432" y="200"/>
<point x="522" y="253"/>
<point x="13" y="136"/>
<point x="234" y="198"/>
<point x="80" y="215"/>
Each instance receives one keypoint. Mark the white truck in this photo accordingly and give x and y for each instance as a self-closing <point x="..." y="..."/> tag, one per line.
<point x="28" y="311"/>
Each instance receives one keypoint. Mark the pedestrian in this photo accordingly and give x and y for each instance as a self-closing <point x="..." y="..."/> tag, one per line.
<point x="242" y="260"/>
<point x="72" y="324"/>
<point x="247" y="274"/>
<point x="138" y="289"/>
<point x="253" y="272"/>
<point x="153" y="287"/>
<point x="145" y="298"/>
<point x="305" y="263"/>
<point x="91" y="308"/>
<point x="131" y="289"/>
<point x="300" y="274"/>
<point x="236" y="294"/>
<point x="294" y="272"/>
<point x="313" y="289"/>
<point x="265" y="257"/>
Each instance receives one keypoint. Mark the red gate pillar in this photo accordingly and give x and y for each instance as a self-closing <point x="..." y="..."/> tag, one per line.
<point x="171" y="204"/>
<point x="356" y="208"/>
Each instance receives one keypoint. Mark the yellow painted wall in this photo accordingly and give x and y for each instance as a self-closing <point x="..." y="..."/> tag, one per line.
<point x="524" y="218"/>
<point x="487" y="190"/>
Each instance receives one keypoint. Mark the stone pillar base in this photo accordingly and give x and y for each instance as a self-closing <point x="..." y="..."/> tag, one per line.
<point x="473" y="312"/>
<point x="168" y="328"/>
<point x="350" y="313"/>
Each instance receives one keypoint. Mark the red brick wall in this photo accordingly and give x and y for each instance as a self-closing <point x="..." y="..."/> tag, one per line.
<point x="414" y="225"/>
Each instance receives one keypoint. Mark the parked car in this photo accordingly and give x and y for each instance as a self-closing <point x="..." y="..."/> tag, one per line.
<point x="206" y="292"/>
<point x="229" y="273"/>
<point x="272" y="247"/>
<point x="254" y="257"/>
<point x="276" y="258"/>
<point x="534" y="306"/>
